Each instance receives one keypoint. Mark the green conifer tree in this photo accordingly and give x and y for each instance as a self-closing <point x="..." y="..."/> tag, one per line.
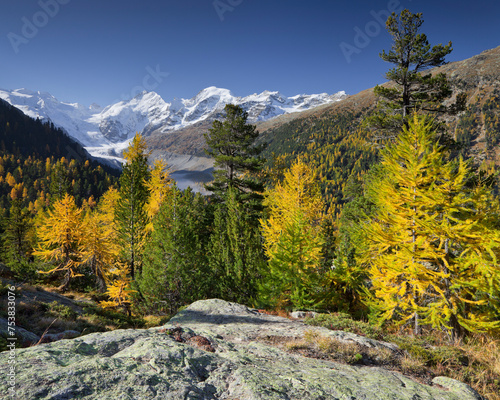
<point x="130" y="213"/>
<point x="235" y="251"/>
<point x="412" y="89"/>
<point x="237" y="162"/>
<point x="175" y="269"/>
<point x="17" y="245"/>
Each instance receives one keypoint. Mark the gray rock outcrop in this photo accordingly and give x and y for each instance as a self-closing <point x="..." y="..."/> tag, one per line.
<point x="210" y="350"/>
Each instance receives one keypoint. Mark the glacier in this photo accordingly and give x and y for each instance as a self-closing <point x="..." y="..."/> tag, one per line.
<point x="106" y="131"/>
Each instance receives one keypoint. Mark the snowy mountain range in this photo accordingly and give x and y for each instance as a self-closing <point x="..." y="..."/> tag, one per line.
<point x="107" y="131"/>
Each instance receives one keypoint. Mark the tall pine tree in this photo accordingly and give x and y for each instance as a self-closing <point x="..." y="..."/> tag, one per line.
<point x="413" y="89"/>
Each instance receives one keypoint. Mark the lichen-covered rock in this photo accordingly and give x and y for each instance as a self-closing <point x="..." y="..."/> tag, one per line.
<point x="237" y="321"/>
<point x="208" y="351"/>
<point x="302" y="314"/>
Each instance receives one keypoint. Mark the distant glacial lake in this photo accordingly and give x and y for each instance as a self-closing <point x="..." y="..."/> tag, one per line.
<point x="193" y="179"/>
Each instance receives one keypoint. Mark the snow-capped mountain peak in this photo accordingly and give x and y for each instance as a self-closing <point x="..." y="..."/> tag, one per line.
<point x="104" y="130"/>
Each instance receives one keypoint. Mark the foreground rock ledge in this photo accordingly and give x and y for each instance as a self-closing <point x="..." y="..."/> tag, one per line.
<point x="207" y="351"/>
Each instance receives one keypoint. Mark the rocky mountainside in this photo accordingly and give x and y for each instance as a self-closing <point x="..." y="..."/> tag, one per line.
<point x="212" y="350"/>
<point x="105" y="132"/>
<point x="478" y="77"/>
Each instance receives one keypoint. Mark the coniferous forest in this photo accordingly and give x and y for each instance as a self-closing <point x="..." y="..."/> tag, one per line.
<point x="388" y="221"/>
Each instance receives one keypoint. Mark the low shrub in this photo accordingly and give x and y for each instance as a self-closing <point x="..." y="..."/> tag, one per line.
<point x="62" y="311"/>
<point x="344" y="322"/>
<point x="111" y="319"/>
<point x="475" y="360"/>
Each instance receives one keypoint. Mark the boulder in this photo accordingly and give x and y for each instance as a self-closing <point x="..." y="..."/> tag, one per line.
<point x="210" y="350"/>
<point x="54" y="337"/>
<point x="303" y="314"/>
<point x="24" y="338"/>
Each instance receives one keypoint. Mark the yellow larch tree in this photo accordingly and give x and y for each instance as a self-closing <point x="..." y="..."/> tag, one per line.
<point x="103" y="250"/>
<point x="119" y="291"/>
<point x="433" y="243"/>
<point x="99" y="246"/>
<point x="138" y="148"/>
<point x="59" y="238"/>
<point x="293" y="237"/>
<point x="159" y="187"/>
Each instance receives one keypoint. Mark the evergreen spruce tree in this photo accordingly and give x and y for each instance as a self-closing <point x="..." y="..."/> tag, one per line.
<point x="175" y="269"/>
<point x="59" y="180"/>
<point x="130" y="213"/>
<point x="348" y="276"/>
<point x="16" y="237"/>
<point x="235" y="252"/>
<point x="237" y="162"/>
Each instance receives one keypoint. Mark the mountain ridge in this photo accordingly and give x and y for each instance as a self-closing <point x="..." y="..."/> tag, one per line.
<point x="106" y="131"/>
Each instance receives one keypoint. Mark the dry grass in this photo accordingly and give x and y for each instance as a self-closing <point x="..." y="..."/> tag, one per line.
<point x="316" y="345"/>
<point x="411" y="366"/>
<point x="57" y="325"/>
<point x="485" y="354"/>
<point x="38" y="311"/>
<point x="474" y="360"/>
<point x="155" y="320"/>
<point x="382" y="356"/>
<point x="30" y="288"/>
<point x="280" y="312"/>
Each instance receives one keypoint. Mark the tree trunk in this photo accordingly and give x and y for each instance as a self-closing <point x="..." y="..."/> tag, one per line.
<point x="64" y="287"/>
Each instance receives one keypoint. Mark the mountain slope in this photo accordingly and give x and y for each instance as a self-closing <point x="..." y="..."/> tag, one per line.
<point x="23" y="135"/>
<point x="38" y="161"/>
<point x="331" y="138"/>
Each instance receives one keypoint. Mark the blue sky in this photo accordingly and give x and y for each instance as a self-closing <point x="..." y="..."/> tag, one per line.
<point x="102" y="51"/>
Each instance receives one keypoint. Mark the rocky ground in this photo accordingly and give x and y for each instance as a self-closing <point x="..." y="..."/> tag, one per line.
<point x="211" y="350"/>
